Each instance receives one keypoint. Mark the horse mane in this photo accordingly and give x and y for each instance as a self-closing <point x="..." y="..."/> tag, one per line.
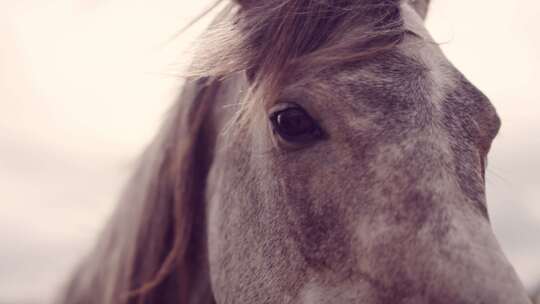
<point x="264" y="37"/>
<point x="146" y="252"/>
<point x="147" y="237"/>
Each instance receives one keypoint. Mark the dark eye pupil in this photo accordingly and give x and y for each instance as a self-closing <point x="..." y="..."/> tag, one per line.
<point x="294" y="123"/>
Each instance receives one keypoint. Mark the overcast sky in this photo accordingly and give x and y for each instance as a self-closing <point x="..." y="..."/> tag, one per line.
<point x="84" y="85"/>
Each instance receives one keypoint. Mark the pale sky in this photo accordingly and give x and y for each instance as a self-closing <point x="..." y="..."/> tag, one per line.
<point x="84" y="85"/>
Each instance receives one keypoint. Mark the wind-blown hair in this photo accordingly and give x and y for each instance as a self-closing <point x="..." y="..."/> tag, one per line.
<point x="266" y="36"/>
<point x="269" y="39"/>
<point x="146" y="253"/>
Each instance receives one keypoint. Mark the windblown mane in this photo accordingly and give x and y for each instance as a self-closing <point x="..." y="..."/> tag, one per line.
<point x="267" y="36"/>
<point x="146" y="253"/>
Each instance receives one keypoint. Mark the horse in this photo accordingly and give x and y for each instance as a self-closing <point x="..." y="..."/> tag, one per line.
<point x="321" y="151"/>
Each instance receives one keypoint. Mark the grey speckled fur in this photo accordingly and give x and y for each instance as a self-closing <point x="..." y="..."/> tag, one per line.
<point x="389" y="208"/>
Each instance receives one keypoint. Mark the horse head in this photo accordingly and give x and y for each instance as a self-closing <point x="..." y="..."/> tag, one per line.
<point x="321" y="152"/>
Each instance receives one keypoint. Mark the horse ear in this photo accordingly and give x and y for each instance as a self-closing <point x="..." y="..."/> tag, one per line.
<point x="147" y="253"/>
<point x="421" y="7"/>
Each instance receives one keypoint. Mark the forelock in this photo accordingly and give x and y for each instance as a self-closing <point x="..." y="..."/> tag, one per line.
<point x="270" y="35"/>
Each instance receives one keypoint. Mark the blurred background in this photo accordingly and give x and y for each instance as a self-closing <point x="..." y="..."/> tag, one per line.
<point x="84" y="85"/>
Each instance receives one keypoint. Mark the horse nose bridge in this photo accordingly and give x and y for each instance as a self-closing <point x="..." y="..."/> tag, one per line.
<point x="464" y="266"/>
<point x="473" y="281"/>
<point x="418" y="165"/>
<point x="468" y="265"/>
<point x="442" y="251"/>
<point x="426" y="152"/>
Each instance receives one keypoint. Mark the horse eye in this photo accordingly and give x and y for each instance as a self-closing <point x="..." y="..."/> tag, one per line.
<point x="295" y="125"/>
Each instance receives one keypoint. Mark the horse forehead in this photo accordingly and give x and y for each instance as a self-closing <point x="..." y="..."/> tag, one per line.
<point x="416" y="67"/>
<point x="414" y="76"/>
<point x="418" y="55"/>
<point x="415" y="73"/>
<point x="396" y="82"/>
